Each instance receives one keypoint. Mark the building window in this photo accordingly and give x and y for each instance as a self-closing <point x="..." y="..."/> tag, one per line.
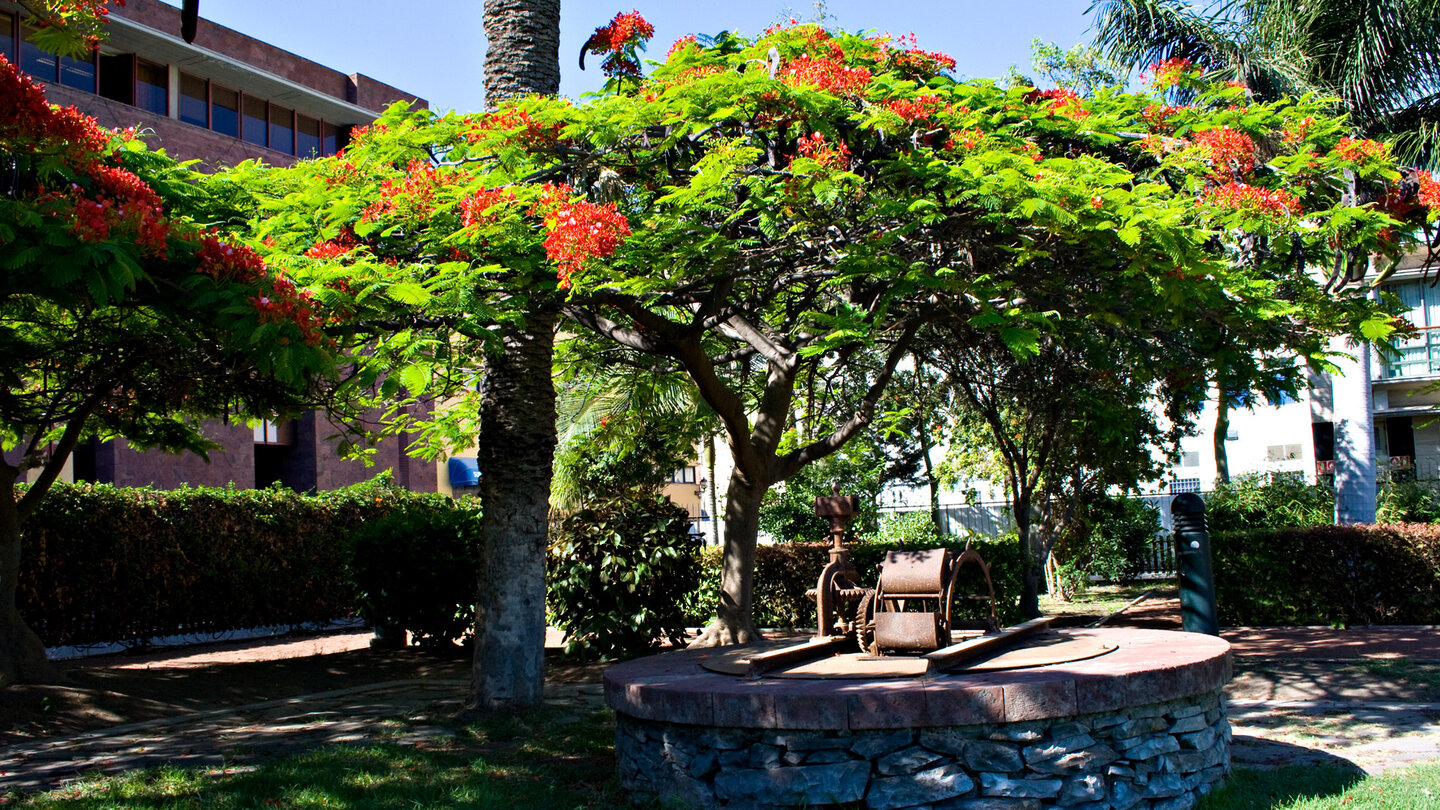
<point x="152" y="87"/>
<point x="1417" y="356"/>
<point x="41" y="64"/>
<point x="1282" y="452"/>
<point x="255" y="125"/>
<point x="684" y="475"/>
<point x="194" y="100"/>
<point x="224" y="111"/>
<point x="282" y="129"/>
<point x="332" y="139"/>
<point x="307" y="136"/>
<point x="117" y="77"/>
<point x="1190" y="458"/>
<point x="78" y="73"/>
<point x="7" y="36"/>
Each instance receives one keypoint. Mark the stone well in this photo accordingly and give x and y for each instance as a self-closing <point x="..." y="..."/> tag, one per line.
<point x="1140" y="727"/>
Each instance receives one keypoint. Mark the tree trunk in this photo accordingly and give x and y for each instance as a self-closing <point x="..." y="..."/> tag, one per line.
<point x="733" y="622"/>
<point x="517" y="416"/>
<point x="1033" y="563"/>
<point x="517" y="448"/>
<point x="1222" y="430"/>
<point x="523" y="56"/>
<point x="22" y="655"/>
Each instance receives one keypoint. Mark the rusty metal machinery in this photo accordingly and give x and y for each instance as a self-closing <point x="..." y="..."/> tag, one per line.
<point x="837" y="587"/>
<point x="911" y="609"/>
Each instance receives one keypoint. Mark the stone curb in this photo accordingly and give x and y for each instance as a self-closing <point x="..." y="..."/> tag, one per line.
<point x="1248" y="703"/>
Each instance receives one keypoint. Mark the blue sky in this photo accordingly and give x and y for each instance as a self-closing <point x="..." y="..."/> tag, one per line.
<point x="436" y="48"/>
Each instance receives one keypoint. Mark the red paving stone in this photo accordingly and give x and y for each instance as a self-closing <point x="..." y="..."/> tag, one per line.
<point x="1162" y="612"/>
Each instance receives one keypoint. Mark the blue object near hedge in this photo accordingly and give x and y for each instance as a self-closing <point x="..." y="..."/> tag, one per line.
<point x="464" y="472"/>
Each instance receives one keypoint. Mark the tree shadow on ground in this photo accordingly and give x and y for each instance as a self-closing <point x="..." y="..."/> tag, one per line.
<point x="1304" y="774"/>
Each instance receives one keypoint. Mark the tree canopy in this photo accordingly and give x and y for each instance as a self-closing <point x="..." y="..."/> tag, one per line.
<point x="123" y="313"/>
<point x="779" y="217"/>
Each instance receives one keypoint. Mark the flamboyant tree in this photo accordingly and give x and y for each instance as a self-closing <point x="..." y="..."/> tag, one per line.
<point x="121" y="315"/>
<point x="780" y="217"/>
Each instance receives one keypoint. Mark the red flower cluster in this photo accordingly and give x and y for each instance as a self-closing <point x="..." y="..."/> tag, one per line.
<point x="552" y="196"/>
<point x="1232" y="152"/>
<point x="1062" y="101"/>
<point x="516" y="125"/>
<point x="334" y="248"/>
<point x="921" y="107"/>
<point x="1170" y="72"/>
<point x="1300" y="131"/>
<point x="831" y="75"/>
<point x="968" y="138"/>
<point x="619" y="39"/>
<point x="581" y="231"/>
<point x="1361" y="150"/>
<point x="1240" y="197"/>
<point x="284" y="304"/>
<point x="27" y="118"/>
<point x="913" y="61"/>
<point x="224" y="261"/>
<point x="476" y="209"/>
<point x="1429" y="190"/>
<point x="830" y="157"/>
<point x="687" y="41"/>
<point x="1157" y="116"/>
<point x="413" y="196"/>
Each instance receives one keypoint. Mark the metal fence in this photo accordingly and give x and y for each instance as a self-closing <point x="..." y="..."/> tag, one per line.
<point x="992" y="519"/>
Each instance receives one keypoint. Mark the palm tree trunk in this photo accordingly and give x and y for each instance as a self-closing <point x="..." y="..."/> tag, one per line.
<point x="517" y="416"/>
<point x="517" y="448"/>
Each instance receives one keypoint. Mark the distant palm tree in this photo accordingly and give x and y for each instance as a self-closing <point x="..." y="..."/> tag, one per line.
<point x="1380" y="58"/>
<point x="517" y="413"/>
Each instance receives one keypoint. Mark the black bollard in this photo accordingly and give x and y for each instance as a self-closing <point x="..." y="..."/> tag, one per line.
<point x="1192" y="557"/>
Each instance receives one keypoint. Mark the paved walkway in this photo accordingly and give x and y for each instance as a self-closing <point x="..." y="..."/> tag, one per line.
<point x="1285" y="706"/>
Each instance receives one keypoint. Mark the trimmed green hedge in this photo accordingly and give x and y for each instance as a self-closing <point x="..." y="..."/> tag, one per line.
<point x="1328" y="575"/>
<point x="103" y="564"/>
<point x="784" y="571"/>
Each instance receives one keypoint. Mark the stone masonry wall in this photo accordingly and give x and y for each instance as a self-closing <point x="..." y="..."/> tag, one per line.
<point x="1151" y="757"/>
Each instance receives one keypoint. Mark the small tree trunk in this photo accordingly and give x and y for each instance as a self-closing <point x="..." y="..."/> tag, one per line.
<point x="22" y="655"/>
<point x="733" y="622"/>
<point x="517" y="449"/>
<point x="1222" y="429"/>
<point x="1033" y="562"/>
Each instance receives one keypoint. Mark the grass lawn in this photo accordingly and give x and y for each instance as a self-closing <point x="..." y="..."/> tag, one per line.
<point x="1097" y="600"/>
<point x="557" y="759"/>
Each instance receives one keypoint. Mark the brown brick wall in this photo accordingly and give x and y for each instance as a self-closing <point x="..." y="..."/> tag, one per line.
<point x="128" y="467"/>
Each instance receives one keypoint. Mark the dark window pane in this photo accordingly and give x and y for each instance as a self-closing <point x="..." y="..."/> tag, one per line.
<point x="329" y="139"/>
<point x="282" y="129"/>
<point x="194" y="101"/>
<point x="307" y="136"/>
<point x="43" y="65"/>
<point x="79" y="74"/>
<point x="117" y="77"/>
<point x="152" y="87"/>
<point x="225" y="111"/>
<point x="7" y="37"/>
<point x="257" y="129"/>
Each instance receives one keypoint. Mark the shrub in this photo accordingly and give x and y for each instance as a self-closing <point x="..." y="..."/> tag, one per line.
<point x="1407" y="502"/>
<point x="621" y="570"/>
<point x="784" y="571"/>
<point x="1122" y="529"/>
<point x="907" y="529"/>
<point x="107" y="564"/>
<point x="1268" y="501"/>
<point x="1328" y="575"/>
<point x="414" y="569"/>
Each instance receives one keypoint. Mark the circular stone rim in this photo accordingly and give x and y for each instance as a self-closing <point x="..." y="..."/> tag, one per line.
<point x="1149" y="666"/>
